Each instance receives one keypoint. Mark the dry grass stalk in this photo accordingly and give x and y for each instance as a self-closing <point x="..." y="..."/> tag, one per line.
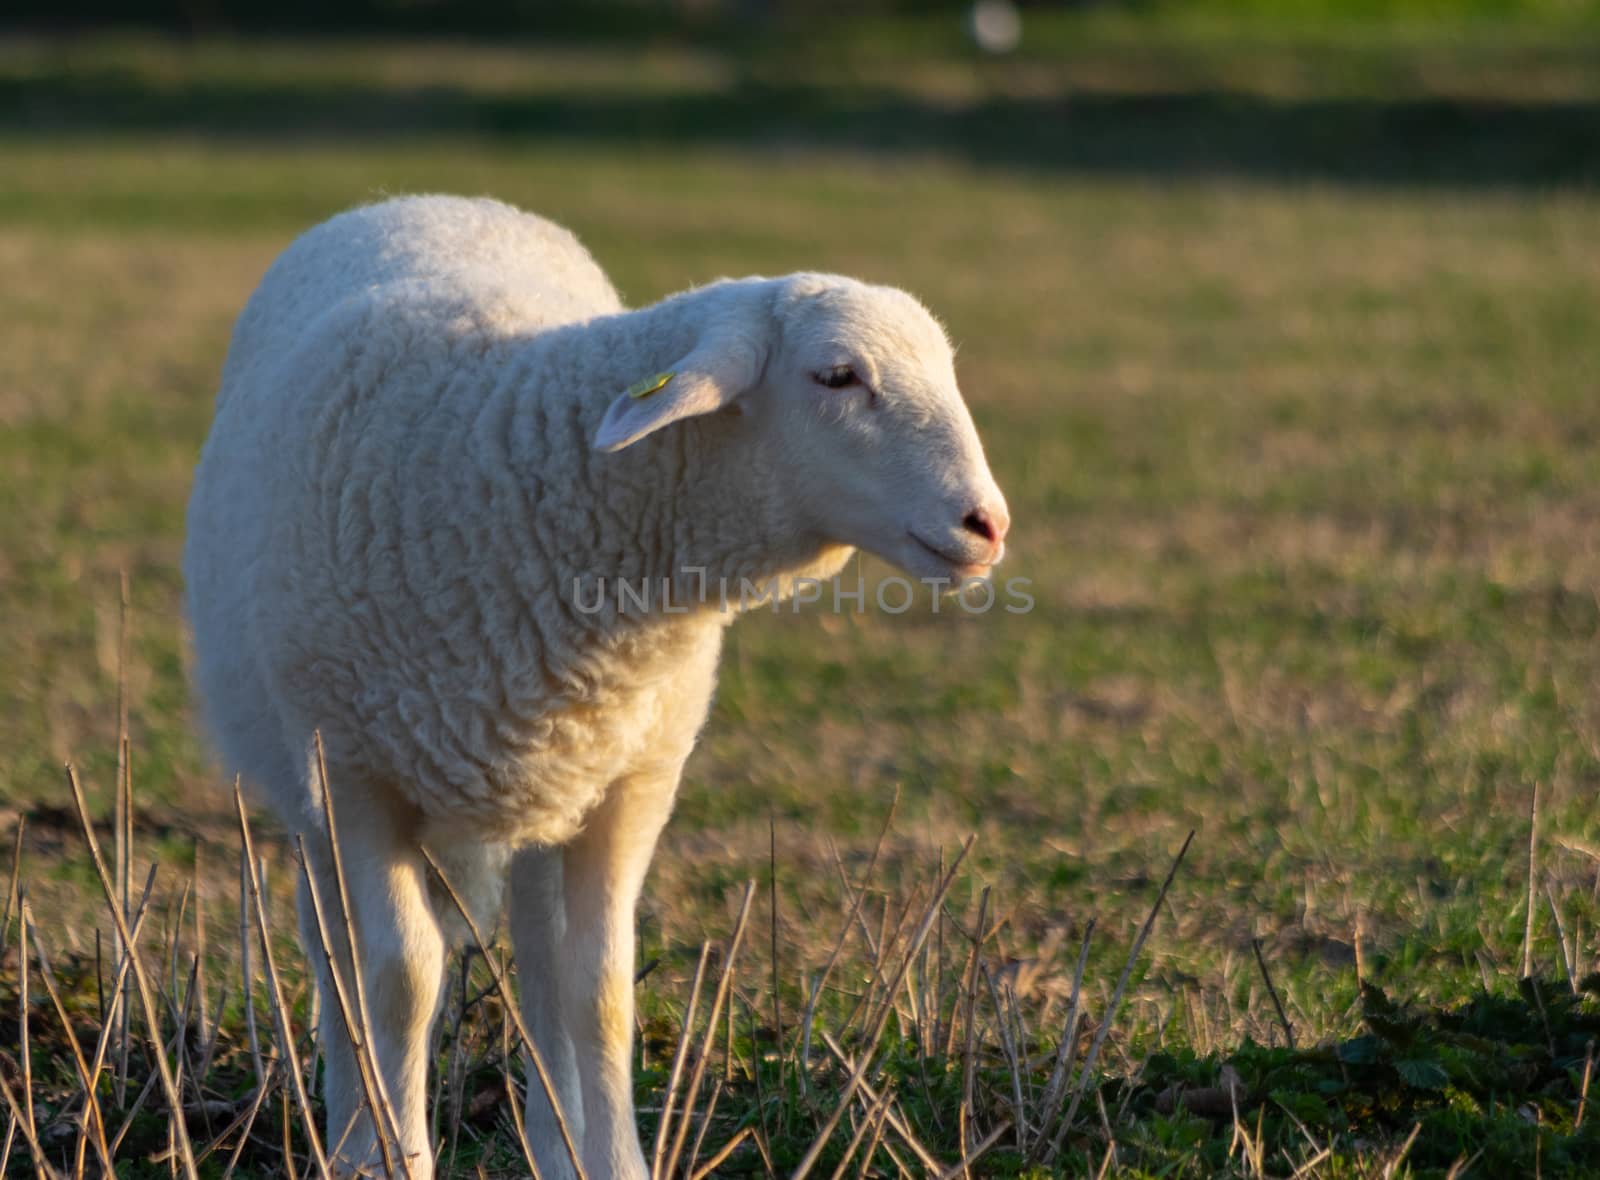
<point x="938" y="982"/>
<point x="1277" y="1004"/>
<point x="382" y="1111"/>
<point x="856" y="914"/>
<point x="873" y="943"/>
<point x="92" y="1118"/>
<point x="11" y="891"/>
<point x="22" y="1119"/>
<point x="200" y="948"/>
<point x="764" y="1146"/>
<point x="512" y="1097"/>
<point x="24" y="1041"/>
<point x="844" y="931"/>
<point x="262" y="1089"/>
<point x="717" y="1088"/>
<point x="1066" y="1049"/>
<point x="141" y="981"/>
<point x="1569" y="955"/>
<point x="772" y="903"/>
<point x="900" y="1167"/>
<point x="5" y="1148"/>
<point x="890" y="936"/>
<point x="679" y="1057"/>
<point x="872" y="1120"/>
<point x="1533" y="842"/>
<point x="191" y="1015"/>
<point x="373" y="1098"/>
<point x="1003" y="1009"/>
<point x="1583" y="1092"/>
<point x="1313" y="1162"/>
<point x="122" y="832"/>
<point x="1362" y="975"/>
<point x="907" y="988"/>
<point x="203" y="1068"/>
<point x="969" y="1047"/>
<point x="179" y="998"/>
<point x="246" y="967"/>
<point x="284" y="1122"/>
<point x="280" y="1011"/>
<point x="108" y="1028"/>
<point x="1085" y="1073"/>
<point x="1241" y="1141"/>
<point x="964" y="1168"/>
<point x="721" y="1155"/>
<point x="1105" y="1118"/>
<point x="241" y="1122"/>
<point x="1392" y="1168"/>
<point x="809" y="1160"/>
<point x="727" y="1045"/>
<point x="893" y="1118"/>
<point x="871" y="1151"/>
<point x="720" y="998"/>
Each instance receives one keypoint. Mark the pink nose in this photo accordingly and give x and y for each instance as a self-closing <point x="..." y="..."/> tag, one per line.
<point x="991" y="526"/>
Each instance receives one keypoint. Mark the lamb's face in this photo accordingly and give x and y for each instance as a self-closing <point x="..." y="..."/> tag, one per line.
<point x="859" y="402"/>
<point x="848" y="394"/>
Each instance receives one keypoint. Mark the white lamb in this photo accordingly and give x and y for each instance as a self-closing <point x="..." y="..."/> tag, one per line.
<point x="435" y="424"/>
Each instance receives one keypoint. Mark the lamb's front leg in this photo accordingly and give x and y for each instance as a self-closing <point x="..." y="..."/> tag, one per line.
<point x="604" y="869"/>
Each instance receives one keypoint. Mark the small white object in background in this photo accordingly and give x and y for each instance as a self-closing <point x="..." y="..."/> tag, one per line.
<point x="995" y="25"/>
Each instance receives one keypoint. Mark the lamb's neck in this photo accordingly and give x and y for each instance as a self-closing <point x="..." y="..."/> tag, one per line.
<point x="697" y="505"/>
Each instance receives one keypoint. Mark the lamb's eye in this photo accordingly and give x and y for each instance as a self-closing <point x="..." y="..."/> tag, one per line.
<point x="838" y="377"/>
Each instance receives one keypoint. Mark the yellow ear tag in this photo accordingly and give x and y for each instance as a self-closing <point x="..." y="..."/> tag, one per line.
<point x="649" y="385"/>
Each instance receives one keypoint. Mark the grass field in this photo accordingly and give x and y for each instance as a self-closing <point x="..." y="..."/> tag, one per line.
<point x="1285" y="352"/>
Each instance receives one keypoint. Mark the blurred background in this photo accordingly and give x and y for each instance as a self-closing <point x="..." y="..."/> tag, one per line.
<point x="1279" y="320"/>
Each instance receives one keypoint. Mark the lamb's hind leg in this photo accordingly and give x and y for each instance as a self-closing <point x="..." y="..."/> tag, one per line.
<point x="538" y="926"/>
<point x="401" y="953"/>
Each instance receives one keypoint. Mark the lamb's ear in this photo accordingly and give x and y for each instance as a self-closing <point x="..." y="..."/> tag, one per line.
<point x="710" y="378"/>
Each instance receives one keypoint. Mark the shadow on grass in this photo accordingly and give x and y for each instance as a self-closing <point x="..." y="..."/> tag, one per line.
<point x="1195" y="134"/>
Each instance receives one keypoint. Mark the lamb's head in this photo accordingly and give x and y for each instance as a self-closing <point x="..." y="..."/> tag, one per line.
<point x="847" y="393"/>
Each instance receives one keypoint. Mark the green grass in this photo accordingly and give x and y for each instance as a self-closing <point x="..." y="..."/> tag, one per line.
<point x="1284" y="352"/>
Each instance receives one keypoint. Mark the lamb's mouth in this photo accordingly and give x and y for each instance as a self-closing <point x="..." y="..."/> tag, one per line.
<point x="959" y="565"/>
